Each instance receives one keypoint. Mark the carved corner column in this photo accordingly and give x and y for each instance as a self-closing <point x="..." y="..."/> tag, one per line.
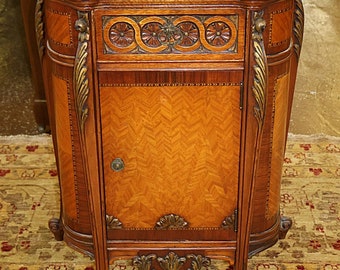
<point x="32" y="12"/>
<point x="43" y="103"/>
<point x="256" y="99"/>
<point x="84" y="106"/>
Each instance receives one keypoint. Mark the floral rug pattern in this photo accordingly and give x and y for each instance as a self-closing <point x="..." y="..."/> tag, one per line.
<point x="29" y="197"/>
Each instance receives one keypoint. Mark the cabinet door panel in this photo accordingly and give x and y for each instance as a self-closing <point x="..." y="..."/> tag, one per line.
<point x="180" y="147"/>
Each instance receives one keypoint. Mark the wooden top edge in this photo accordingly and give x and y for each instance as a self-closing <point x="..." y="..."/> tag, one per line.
<point x="88" y="4"/>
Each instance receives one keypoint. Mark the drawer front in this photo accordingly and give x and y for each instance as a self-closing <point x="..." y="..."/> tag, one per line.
<point x="124" y="35"/>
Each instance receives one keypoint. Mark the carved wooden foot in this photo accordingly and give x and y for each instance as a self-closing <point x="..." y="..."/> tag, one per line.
<point x="285" y="225"/>
<point x="56" y="228"/>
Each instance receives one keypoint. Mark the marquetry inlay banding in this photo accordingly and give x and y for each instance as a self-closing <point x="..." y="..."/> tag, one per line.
<point x="166" y="84"/>
<point x="64" y="37"/>
<point x="169" y="34"/>
<point x="280" y="27"/>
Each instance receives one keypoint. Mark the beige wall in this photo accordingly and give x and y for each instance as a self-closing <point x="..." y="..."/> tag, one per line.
<point x="316" y="107"/>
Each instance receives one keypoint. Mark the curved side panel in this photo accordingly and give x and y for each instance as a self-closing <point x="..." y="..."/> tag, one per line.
<point x="58" y="65"/>
<point x="282" y="72"/>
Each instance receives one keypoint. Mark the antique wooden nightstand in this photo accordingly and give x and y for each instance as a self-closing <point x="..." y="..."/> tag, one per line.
<point x="169" y="120"/>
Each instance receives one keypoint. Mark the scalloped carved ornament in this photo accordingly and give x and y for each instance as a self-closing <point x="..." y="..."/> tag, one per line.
<point x="113" y="222"/>
<point x="171" y="221"/>
<point x="168" y="34"/>
<point x="230" y="222"/>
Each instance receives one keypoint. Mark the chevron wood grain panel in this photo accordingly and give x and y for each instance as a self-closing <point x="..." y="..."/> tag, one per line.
<point x="180" y="146"/>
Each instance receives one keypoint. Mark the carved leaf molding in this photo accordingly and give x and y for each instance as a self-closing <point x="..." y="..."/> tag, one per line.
<point x="298" y="26"/>
<point x="81" y="82"/>
<point x="260" y="67"/>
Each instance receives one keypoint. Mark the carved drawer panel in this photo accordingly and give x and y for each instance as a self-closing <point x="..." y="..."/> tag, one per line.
<point x="128" y="35"/>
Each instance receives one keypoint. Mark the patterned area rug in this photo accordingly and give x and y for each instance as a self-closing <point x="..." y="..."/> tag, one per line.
<point x="29" y="197"/>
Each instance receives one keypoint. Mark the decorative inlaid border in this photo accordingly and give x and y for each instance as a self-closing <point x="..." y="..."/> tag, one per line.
<point x="68" y="15"/>
<point x="276" y="12"/>
<point x="165" y="84"/>
<point x="170" y="34"/>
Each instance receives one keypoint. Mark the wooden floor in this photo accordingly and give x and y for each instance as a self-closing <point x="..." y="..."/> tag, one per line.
<point x="317" y="95"/>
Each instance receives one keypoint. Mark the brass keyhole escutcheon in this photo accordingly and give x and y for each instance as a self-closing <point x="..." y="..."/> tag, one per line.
<point x="117" y="165"/>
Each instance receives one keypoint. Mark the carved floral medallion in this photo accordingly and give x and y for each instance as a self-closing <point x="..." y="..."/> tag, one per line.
<point x="218" y="33"/>
<point x="121" y="34"/>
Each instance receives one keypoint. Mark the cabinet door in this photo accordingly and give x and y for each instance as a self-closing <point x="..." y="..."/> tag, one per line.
<point x="171" y="145"/>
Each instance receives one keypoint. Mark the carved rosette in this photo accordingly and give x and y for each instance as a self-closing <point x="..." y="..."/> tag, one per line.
<point x="190" y="34"/>
<point x="39" y="27"/>
<point x="165" y="34"/>
<point x="218" y="34"/>
<point x="81" y="83"/>
<point x="298" y="26"/>
<point x="171" y="222"/>
<point x="260" y="67"/>
<point x="122" y="34"/>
